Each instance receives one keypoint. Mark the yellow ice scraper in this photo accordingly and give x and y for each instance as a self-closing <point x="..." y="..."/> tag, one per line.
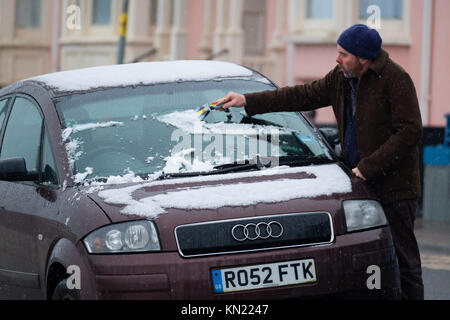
<point x="204" y="110"/>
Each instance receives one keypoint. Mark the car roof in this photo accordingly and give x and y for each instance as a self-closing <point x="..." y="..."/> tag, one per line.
<point x="144" y="73"/>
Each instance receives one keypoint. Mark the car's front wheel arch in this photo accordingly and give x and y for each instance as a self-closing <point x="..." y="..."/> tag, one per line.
<point x="63" y="292"/>
<point x="56" y="273"/>
<point x="66" y="260"/>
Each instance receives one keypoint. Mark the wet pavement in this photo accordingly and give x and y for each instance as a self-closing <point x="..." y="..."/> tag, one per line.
<point x="433" y="235"/>
<point x="434" y="244"/>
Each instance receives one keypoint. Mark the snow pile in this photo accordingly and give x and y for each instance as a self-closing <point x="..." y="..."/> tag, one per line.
<point x="328" y="179"/>
<point x="86" y="126"/>
<point x="79" y="177"/>
<point x="181" y="162"/>
<point x="186" y="120"/>
<point x="127" y="178"/>
<point x="190" y="122"/>
<point x="95" y="186"/>
<point x="72" y="146"/>
<point x="144" y="73"/>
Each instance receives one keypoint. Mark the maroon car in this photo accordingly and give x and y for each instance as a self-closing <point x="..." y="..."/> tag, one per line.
<point x="122" y="182"/>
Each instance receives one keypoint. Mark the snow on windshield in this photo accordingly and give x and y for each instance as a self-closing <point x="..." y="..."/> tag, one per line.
<point x="73" y="145"/>
<point x="86" y="126"/>
<point x="184" y="160"/>
<point x="181" y="161"/>
<point x="187" y="159"/>
<point x="190" y="122"/>
<point x="328" y="179"/>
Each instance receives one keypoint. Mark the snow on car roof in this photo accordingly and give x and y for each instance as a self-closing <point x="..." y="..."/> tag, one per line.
<point x="144" y="73"/>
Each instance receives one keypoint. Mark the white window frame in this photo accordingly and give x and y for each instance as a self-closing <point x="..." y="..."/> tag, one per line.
<point x="110" y="29"/>
<point x="89" y="31"/>
<point x="313" y="24"/>
<point x="393" y="31"/>
<point x="345" y="13"/>
<point x="110" y="14"/>
<point x="37" y="33"/>
<point x="29" y="25"/>
<point x="153" y="13"/>
<point x="307" y="30"/>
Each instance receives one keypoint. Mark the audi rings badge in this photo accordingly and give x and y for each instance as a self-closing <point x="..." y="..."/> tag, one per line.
<point x="252" y="231"/>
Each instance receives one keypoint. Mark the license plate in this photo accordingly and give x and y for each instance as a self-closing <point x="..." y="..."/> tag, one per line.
<point x="264" y="275"/>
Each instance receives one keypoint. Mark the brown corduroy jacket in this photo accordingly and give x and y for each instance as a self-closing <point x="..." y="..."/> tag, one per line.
<point x="388" y="122"/>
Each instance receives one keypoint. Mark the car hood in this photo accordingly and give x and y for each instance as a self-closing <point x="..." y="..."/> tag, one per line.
<point x="279" y="190"/>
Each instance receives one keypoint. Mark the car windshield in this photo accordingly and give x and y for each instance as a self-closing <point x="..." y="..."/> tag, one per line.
<point x="151" y="130"/>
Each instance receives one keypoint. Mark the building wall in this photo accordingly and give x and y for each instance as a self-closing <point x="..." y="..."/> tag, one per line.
<point x="313" y="60"/>
<point x="195" y="20"/>
<point x="440" y="64"/>
<point x="24" y="52"/>
<point x="295" y="49"/>
<point x="314" y="56"/>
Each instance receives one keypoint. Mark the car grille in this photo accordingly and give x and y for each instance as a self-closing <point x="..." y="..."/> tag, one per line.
<point x="252" y="234"/>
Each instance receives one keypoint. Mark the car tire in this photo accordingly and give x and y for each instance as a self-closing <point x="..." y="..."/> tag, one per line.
<point x="61" y="292"/>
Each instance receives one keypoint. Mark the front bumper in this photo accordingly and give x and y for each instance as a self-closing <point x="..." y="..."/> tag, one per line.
<point x="341" y="269"/>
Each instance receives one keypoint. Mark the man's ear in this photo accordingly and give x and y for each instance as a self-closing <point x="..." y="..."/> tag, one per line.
<point x="363" y="61"/>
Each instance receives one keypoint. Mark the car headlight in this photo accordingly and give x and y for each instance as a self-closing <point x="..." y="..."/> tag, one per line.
<point x="363" y="214"/>
<point x="128" y="237"/>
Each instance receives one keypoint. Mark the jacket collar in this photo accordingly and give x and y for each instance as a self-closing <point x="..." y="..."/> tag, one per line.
<point x="380" y="62"/>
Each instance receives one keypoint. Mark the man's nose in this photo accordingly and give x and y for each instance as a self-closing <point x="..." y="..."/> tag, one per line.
<point x="338" y="60"/>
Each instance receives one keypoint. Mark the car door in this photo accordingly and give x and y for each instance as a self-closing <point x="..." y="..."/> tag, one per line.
<point x="25" y="206"/>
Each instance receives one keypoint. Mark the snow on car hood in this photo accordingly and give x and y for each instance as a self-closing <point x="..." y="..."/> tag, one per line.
<point x="217" y="191"/>
<point x="144" y="73"/>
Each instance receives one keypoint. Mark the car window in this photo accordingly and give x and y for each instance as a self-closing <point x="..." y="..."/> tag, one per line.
<point x="49" y="175"/>
<point x="23" y="133"/>
<point x="148" y="129"/>
<point x="3" y="110"/>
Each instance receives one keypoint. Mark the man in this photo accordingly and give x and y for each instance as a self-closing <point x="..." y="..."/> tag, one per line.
<point x="379" y="122"/>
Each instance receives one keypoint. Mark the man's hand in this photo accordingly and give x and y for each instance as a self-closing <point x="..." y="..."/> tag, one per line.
<point x="358" y="173"/>
<point x="232" y="99"/>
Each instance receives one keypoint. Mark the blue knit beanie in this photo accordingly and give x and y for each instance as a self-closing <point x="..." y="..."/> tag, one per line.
<point x="361" y="41"/>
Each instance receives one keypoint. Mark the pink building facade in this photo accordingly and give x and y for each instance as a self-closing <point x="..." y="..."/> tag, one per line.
<point x="290" y="41"/>
<point x="298" y="47"/>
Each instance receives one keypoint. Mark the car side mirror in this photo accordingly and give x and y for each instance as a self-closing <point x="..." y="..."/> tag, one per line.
<point x="16" y="170"/>
<point x="331" y="135"/>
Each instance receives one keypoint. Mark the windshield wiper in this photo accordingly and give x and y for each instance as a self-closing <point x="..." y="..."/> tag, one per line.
<point x="238" y="166"/>
<point x="267" y="162"/>
<point x="207" y="173"/>
<point x="257" y="163"/>
<point x="246" y="164"/>
<point x="303" y="160"/>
